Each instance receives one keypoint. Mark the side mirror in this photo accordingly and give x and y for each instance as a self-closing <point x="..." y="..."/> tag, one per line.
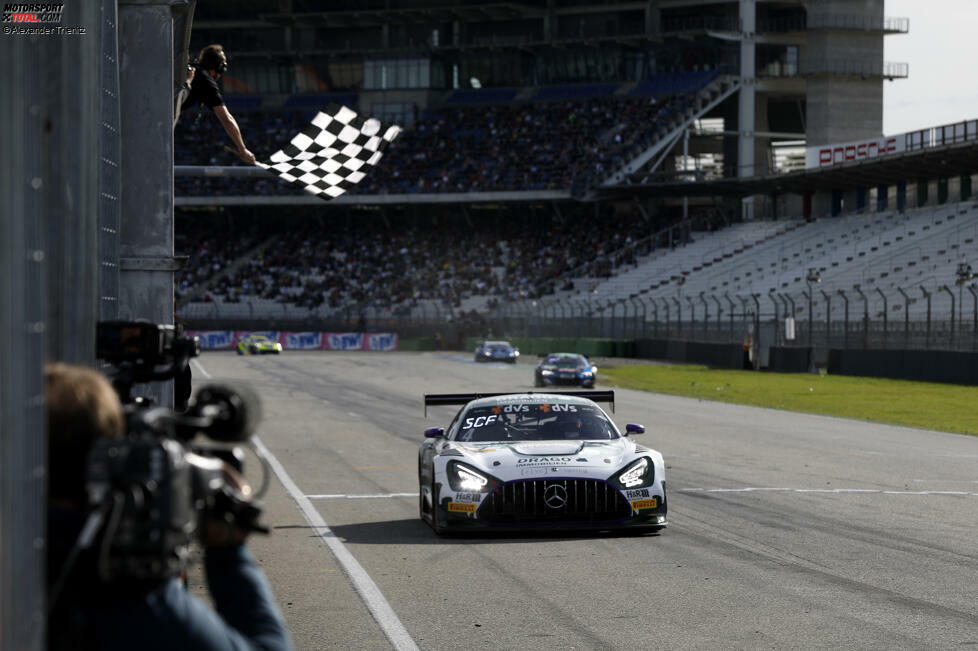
<point x="434" y="432"/>
<point x="633" y="428"/>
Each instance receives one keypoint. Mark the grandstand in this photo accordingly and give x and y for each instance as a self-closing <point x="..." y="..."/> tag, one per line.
<point x="707" y="170"/>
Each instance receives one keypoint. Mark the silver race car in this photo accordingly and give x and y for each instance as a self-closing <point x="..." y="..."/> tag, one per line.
<point x="496" y="351"/>
<point x="537" y="461"/>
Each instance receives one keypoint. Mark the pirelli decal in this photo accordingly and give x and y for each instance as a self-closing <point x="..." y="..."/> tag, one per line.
<point x="638" y="505"/>
<point x="460" y="507"/>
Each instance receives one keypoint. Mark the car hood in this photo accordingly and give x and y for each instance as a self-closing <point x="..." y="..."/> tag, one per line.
<point x="508" y="461"/>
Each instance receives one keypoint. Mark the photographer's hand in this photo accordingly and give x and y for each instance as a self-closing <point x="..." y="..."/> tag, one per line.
<point x="218" y="533"/>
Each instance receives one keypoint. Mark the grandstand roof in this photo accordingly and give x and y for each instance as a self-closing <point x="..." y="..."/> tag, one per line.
<point x="931" y="163"/>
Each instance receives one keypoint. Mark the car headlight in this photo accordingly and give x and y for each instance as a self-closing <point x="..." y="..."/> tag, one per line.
<point x="466" y="478"/>
<point x="546" y="372"/>
<point x="638" y="474"/>
<point x="586" y="373"/>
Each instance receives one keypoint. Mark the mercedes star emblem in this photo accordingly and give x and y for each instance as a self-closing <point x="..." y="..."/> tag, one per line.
<point x="555" y="496"/>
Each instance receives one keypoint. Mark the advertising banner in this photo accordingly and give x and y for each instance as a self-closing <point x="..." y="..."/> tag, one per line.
<point x="846" y="152"/>
<point x="381" y="341"/>
<point x="228" y="339"/>
<point x="302" y="340"/>
<point x="344" y="341"/>
<point x="214" y="339"/>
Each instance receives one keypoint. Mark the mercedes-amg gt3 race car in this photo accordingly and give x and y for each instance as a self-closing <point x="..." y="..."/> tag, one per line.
<point x="496" y="351"/>
<point x="565" y="369"/>
<point x="537" y="461"/>
<point x="258" y="345"/>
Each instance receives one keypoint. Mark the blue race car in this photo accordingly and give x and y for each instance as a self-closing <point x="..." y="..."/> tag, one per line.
<point x="565" y="369"/>
<point x="496" y="351"/>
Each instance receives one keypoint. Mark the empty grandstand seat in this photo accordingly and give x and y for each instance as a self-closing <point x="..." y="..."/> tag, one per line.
<point x="234" y="101"/>
<point x="320" y="100"/>
<point x="482" y="96"/>
<point x="576" y="91"/>
<point x="674" y="82"/>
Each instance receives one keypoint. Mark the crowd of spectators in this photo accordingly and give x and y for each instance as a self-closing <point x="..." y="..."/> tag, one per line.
<point x="556" y="145"/>
<point x="370" y="263"/>
<point x="210" y="244"/>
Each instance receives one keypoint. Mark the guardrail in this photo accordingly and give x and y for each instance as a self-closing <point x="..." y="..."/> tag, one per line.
<point x="854" y="67"/>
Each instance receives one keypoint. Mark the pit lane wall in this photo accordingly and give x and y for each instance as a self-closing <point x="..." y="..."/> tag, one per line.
<point x="228" y="339"/>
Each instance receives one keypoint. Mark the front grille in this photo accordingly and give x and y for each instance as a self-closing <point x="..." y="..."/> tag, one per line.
<point x="566" y="381"/>
<point x="558" y="501"/>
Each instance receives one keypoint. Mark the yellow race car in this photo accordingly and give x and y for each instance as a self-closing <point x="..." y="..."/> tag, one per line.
<point x="258" y="345"/>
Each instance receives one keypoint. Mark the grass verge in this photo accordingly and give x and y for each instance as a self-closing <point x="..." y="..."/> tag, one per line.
<point x="945" y="407"/>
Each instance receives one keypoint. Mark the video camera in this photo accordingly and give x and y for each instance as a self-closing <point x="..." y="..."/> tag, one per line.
<point x="156" y="491"/>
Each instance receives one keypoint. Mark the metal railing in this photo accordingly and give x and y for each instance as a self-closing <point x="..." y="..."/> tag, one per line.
<point x="855" y="67"/>
<point x="863" y="22"/>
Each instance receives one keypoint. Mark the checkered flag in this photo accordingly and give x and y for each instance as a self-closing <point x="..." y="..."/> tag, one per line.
<point x="333" y="153"/>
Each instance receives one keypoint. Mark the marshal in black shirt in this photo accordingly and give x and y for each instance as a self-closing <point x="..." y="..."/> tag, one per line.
<point x="203" y="90"/>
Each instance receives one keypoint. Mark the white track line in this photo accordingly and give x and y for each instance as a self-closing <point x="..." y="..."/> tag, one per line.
<point x="381" y="610"/>
<point x="361" y="497"/>
<point x="872" y="491"/>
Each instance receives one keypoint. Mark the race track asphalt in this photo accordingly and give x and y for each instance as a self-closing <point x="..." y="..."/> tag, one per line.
<point x="787" y="531"/>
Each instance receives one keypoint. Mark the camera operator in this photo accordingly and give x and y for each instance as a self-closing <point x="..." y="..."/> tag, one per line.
<point x="211" y="65"/>
<point x="87" y="613"/>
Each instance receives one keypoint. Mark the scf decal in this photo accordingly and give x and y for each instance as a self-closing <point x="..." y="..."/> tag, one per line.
<point x="481" y="421"/>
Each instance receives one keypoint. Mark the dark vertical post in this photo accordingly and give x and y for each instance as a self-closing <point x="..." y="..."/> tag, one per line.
<point x="719" y="310"/>
<point x="665" y="304"/>
<point x="679" y="316"/>
<point x="945" y="288"/>
<point x="865" y="315"/>
<point x="757" y="329"/>
<point x="146" y="55"/>
<point x="845" y="333"/>
<point x="927" y="296"/>
<point x="886" y="310"/>
<point x="828" y="318"/>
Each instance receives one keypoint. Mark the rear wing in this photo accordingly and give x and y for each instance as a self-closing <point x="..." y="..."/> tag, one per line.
<point x="436" y="399"/>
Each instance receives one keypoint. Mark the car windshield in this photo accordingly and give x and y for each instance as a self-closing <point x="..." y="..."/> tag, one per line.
<point x="499" y="348"/>
<point x="565" y="362"/>
<point x="535" y="422"/>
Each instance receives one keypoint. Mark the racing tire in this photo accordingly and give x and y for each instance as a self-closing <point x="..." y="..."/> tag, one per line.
<point x="437" y="528"/>
<point x="421" y="513"/>
<point x="240" y="352"/>
<point x="537" y="382"/>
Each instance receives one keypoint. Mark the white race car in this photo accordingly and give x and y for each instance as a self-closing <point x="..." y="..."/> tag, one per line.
<point x="537" y="461"/>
